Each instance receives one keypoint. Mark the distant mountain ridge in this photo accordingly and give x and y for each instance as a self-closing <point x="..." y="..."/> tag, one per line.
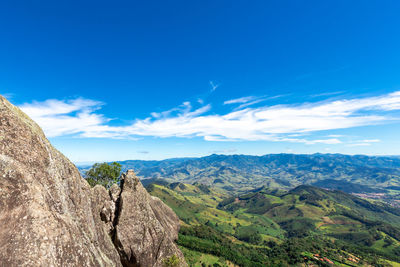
<point x="241" y="173"/>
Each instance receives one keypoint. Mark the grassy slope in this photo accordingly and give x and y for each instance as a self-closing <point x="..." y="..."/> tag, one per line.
<point x="261" y="219"/>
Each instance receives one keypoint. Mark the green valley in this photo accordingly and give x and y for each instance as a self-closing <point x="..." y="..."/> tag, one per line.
<point x="272" y="227"/>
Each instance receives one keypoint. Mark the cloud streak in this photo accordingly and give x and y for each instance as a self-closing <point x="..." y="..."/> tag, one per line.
<point x="213" y="86"/>
<point x="81" y="117"/>
<point x="241" y="100"/>
<point x="249" y="101"/>
<point x="366" y="142"/>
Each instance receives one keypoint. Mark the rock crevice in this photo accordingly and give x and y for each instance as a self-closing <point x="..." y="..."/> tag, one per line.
<point x="153" y="238"/>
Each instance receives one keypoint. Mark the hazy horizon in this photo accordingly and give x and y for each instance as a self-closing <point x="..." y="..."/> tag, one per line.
<point x="87" y="163"/>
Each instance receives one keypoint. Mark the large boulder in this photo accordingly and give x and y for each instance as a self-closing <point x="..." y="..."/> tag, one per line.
<point x="50" y="216"/>
<point x="146" y="229"/>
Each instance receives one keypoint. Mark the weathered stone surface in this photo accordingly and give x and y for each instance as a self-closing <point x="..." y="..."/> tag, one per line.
<point x="50" y="216"/>
<point x="146" y="227"/>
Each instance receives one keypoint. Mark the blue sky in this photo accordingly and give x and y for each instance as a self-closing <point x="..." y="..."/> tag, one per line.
<point x="158" y="79"/>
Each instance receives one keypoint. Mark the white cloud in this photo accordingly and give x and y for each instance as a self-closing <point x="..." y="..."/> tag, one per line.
<point x="365" y="142"/>
<point x="213" y="86"/>
<point x="244" y="105"/>
<point x="335" y="135"/>
<point x="269" y="123"/>
<point x="359" y="144"/>
<point x="241" y="100"/>
<point x="59" y="117"/>
<point x="332" y="141"/>
<point x="249" y="101"/>
<point x="224" y="151"/>
<point x="328" y="94"/>
<point x="370" y="141"/>
<point x="9" y="96"/>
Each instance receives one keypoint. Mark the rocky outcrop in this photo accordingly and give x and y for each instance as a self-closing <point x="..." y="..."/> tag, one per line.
<point x="143" y="232"/>
<point x="50" y="216"/>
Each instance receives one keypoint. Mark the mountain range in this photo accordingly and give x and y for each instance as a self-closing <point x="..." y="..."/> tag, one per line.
<point x="241" y="173"/>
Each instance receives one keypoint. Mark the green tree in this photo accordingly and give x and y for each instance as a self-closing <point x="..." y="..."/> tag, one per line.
<point x="172" y="261"/>
<point x="104" y="174"/>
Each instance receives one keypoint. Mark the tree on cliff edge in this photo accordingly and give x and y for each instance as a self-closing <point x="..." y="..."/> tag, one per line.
<point x="104" y="174"/>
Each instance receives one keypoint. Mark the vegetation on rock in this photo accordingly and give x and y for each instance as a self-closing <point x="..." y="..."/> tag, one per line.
<point x="172" y="261"/>
<point x="105" y="174"/>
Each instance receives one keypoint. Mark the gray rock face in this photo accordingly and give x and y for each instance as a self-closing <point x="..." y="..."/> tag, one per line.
<point x="146" y="229"/>
<point x="50" y="216"/>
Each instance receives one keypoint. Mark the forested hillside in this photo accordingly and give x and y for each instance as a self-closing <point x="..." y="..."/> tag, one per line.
<point x="273" y="227"/>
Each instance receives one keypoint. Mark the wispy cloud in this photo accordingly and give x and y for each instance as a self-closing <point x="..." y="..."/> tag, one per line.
<point x="328" y="94"/>
<point x="64" y="117"/>
<point x="285" y="123"/>
<point x="214" y="86"/>
<point x="7" y="95"/>
<point x="335" y="135"/>
<point x="366" y="142"/>
<point x="240" y="100"/>
<point x="370" y="141"/>
<point x="249" y="101"/>
<point x="223" y="151"/>
<point x="359" y="144"/>
<point x="330" y="141"/>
